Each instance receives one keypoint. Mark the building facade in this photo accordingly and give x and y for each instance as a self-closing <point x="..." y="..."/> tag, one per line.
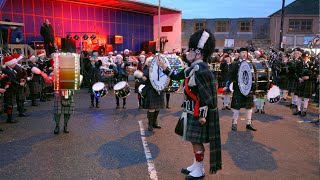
<point x="131" y="20"/>
<point x="300" y="25"/>
<point x="231" y="33"/>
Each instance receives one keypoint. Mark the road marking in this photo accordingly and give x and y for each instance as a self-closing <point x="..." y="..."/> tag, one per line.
<point x="151" y="166"/>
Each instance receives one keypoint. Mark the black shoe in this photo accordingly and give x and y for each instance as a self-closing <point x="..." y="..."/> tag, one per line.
<point x="23" y="115"/>
<point x="167" y="107"/>
<point x="227" y="107"/>
<point x="124" y="107"/>
<point x="56" y="130"/>
<point x="185" y="171"/>
<point x="65" y="129"/>
<point x="92" y="106"/>
<point x="118" y="107"/>
<point x="263" y="112"/>
<point x="249" y="127"/>
<point x="257" y="111"/>
<point x="223" y="108"/>
<point x="234" y="127"/>
<point x="157" y="126"/>
<point x="297" y="113"/>
<point x="189" y="177"/>
<point x="303" y="113"/>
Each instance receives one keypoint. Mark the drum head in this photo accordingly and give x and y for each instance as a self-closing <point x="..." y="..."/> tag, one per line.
<point x="245" y="78"/>
<point x="158" y="79"/>
<point x="98" y="86"/>
<point x="119" y="85"/>
<point x="273" y="95"/>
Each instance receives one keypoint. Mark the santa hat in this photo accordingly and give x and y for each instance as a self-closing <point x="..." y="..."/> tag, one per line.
<point x="17" y="56"/>
<point x="30" y="57"/>
<point x="143" y="53"/>
<point x="7" y="61"/>
<point x="110" y="53"/>
<point x="126" y="50"/>
<point x="41" y="54"/>
<point x="119" y="56"/>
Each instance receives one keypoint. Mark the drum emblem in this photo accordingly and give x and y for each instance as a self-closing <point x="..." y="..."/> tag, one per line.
<point x="245" y="78"/>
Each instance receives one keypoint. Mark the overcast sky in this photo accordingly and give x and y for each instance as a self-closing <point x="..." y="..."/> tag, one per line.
<point x="222" y="8"/>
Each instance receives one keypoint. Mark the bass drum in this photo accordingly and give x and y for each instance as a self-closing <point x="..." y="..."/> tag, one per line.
<point x="158" y="79"/>
<point x="262" y="75"/>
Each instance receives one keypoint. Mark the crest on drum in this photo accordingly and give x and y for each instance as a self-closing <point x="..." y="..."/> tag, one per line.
<point x="245" y="78"/>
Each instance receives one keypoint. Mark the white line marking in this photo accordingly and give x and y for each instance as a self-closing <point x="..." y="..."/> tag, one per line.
<point x="151" y="166"/>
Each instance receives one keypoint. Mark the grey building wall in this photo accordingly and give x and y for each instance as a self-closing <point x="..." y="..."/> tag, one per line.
<point x="259" y="37"/>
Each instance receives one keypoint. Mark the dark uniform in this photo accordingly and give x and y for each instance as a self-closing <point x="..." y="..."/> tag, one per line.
<point x="21" y="91"/>
<point x="205" y="103"/>
<point x="121" y="76"/>
<point x="35" y="84"/>
<point x="63" y="104"/>
<point x="95" y="76"/>
<point x="138" y="83"/>
<point x="44" y="66"/>
<point x="226" y="97"/>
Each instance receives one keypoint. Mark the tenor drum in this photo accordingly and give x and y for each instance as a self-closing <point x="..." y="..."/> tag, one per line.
<point x="122" y="89"/>
<point x="99" y="89"/>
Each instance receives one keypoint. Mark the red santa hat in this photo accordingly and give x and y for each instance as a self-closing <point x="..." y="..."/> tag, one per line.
<point x="17" y="56"/>
<point x="30" y="57"/>
<point x="7" y="61"/>
<point x="41" y="54"/>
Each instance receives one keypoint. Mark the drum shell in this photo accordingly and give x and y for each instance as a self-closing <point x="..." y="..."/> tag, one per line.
<point x="124" y="91"/>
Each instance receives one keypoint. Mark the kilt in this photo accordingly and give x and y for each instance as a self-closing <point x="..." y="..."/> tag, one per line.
<point x="151" y="99"/>
<point x="240" y="101"/>
<point x="283" y="83"/>
<point x="304" y="89"/>
<point x="198" y="133"/>
<point x="21" y="93"/>
<point x="291" y="85"/>
<point x="8" y="99"/>
<point x="35" y="87"/>
<point x="58" y="108"/>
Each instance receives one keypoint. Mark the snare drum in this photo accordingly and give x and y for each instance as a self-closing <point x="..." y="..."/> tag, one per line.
<point x="122" y="89"/>
<point x="99" y="89"/>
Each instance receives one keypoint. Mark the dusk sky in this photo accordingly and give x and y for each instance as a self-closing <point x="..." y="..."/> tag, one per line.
<point x="222" y="8"/>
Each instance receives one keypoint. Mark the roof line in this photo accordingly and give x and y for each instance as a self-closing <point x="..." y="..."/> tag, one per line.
<point x="151" y="5"/>
<point x="283" y="8"/>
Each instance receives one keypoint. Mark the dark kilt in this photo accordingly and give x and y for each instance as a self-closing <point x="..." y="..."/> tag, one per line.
<point x="304" y="89"/>
<point x="8" y="98"/>
<point x="35" y="87"/>
<point x="58" y="108"/>
<point x="152" y="100"/>
<point x="292" y="84"/>
<point x="240" y="101"/>
<point x="283" y="83"/>
<point x="21" y="93"/>
<point x="198" y="133"/>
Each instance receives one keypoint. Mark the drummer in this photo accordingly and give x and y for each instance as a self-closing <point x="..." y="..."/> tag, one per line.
<point x="120" y="76"/>
<point x="109" y="63"/>
<point x="137" y="83"/>
<point x="35" y="82"/>
<point x="94" y="76"/>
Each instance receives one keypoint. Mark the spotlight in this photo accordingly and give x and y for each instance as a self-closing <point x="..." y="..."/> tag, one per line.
<point x="85" y="36"/>
<point x="69" y="36"/>
<point x="93" y="37"/>
<point x="76" y="37"/>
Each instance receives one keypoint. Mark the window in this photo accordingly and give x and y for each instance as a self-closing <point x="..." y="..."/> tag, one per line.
<point x="222" y="26"/>
<point x="245" y="26"/>
<point x="199" y="25"/>
<point x="300" y="25"/>
<point x="166" y="29"/>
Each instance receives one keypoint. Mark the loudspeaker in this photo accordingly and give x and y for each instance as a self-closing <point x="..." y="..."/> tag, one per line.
<point x="68" y="45"/>
<point x="149" y="46"/>
<point x="118" y="39"/>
